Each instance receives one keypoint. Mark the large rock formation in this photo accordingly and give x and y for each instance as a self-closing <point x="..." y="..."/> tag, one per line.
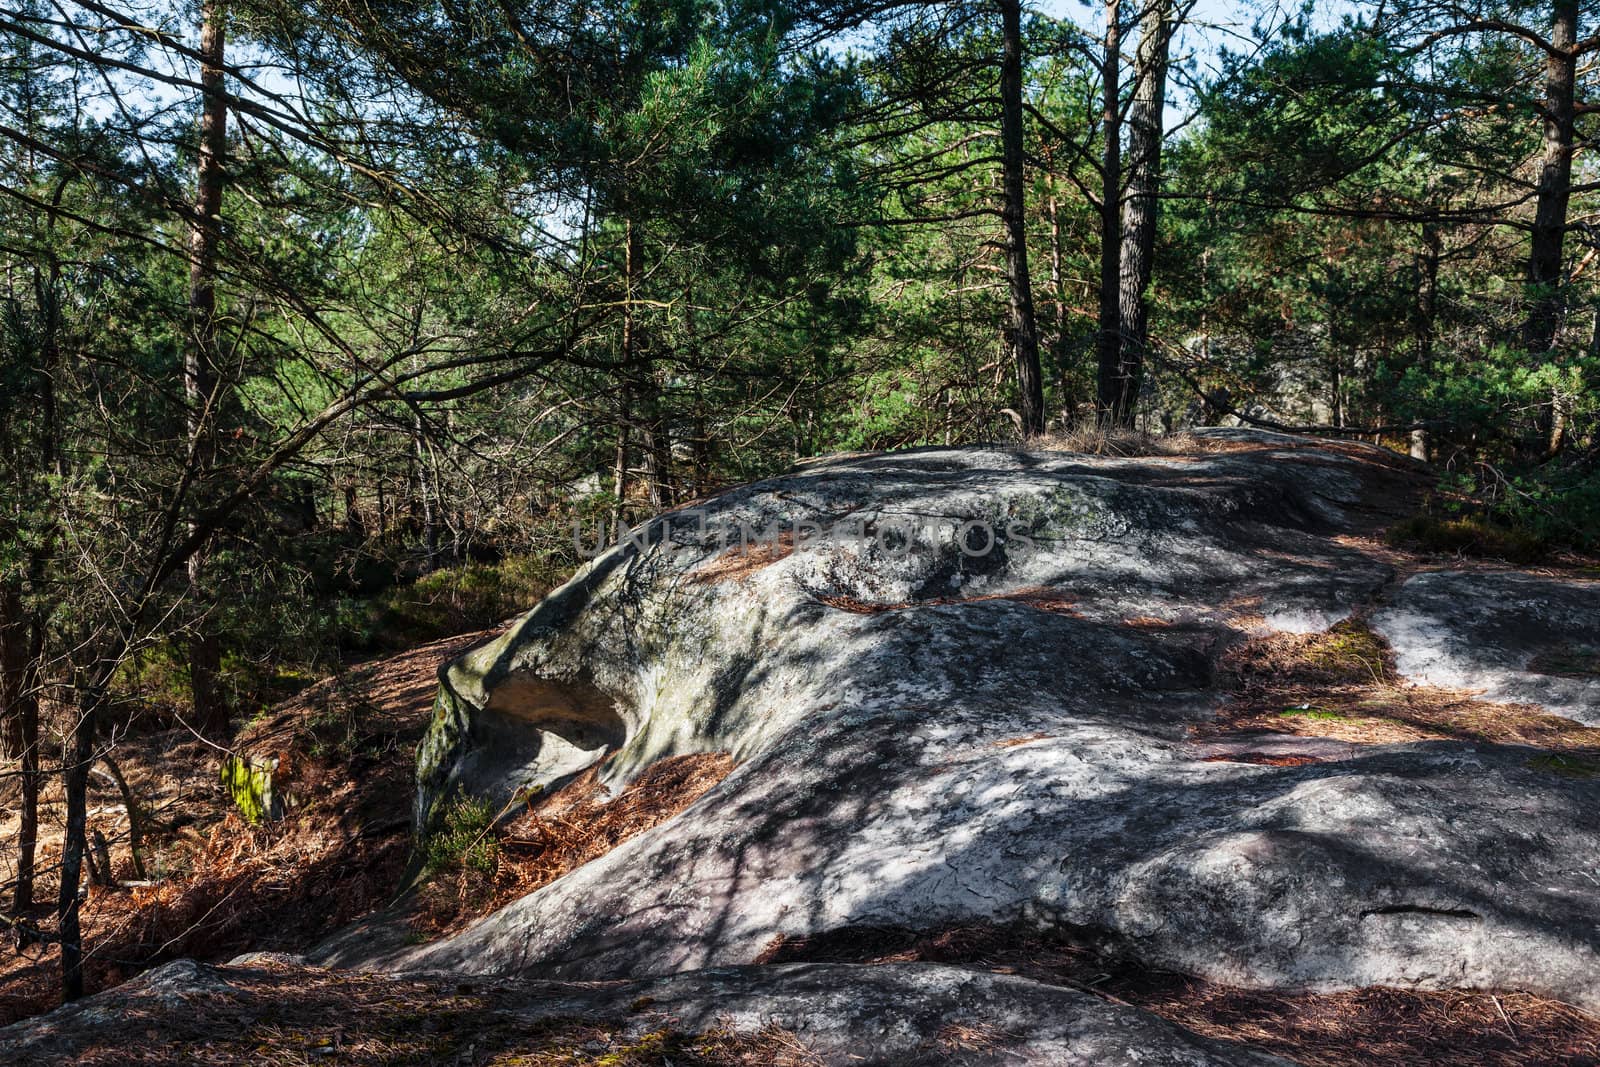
<point x="899" y="1015"/>
<point x="1513" y="637"/>
<point x="960" y="684"/>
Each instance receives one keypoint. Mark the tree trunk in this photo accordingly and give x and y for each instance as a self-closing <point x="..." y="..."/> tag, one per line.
<point x="1109" y="359"/>
<point x="28" y="827"/>
<point x="75" y="780"/>
<point x="427" y="493"/>
<point x="200" y="353"/>
<point x="700" y="442"/>
<point x="1058" y="296"/>
<point x="13" y="669"/>
<point x="131" y="806"/>
<point x="1427" y="316"/>
<point x="20" y="651"/>
<point x="1555" y="181"/>
<point x="619" y="464"/>
<point x="657" y="453"/>
<point x="1142" y="204"/>
<point x="1024" y="328"/>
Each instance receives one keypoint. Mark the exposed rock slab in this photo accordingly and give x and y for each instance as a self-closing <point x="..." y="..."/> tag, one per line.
<point x="932" y="736"/>
<point x="905" y="1015"/>
<point x="1515" y="638"/>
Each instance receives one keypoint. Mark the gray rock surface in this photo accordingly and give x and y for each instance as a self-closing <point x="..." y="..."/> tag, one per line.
<point x="1518" y="638"/>
<point x="900" y="1014"/>
<point x="932" y="738"/>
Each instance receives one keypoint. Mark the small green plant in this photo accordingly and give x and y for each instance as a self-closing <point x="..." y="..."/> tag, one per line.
<point x="462" y="840"/>
<point x="1565" y="765"/>
<point x="1307" y="711"/>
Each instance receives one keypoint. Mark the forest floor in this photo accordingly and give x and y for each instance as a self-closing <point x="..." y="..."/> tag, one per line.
<point x="214" y="886"/>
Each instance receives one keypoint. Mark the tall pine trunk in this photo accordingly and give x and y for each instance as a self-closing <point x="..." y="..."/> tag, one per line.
<point x="1555" y="181"/>
<point x="200" y="354"/>
<point x="75" y="780"/>
<point x="1546" y="296"/>
<point x="1141" y="206"/>
<point x="1427" y="318"/>
<point x="1109" y="347"/>
<point x="20" y="651"/>
<point x="1024" y="327"/>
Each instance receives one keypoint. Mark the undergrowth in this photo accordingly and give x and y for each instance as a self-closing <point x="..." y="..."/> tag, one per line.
<point x="471" y="872"/>
<point x="452" y="600"/>
<point x="1470" y="536"/>
<point x="463" y="840"/>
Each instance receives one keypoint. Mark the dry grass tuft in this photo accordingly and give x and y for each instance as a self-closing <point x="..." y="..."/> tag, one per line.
<point x="1013" y="742"/>
<point x="1039" y="598"/>
<point x="1263" y="759"/>
<point x="972" y="1037"/>
<point x="1342" y="685"/>
<point x="561" y="832"/>
<point x="1567" y="661"/>
<point x="1098" y="441"/>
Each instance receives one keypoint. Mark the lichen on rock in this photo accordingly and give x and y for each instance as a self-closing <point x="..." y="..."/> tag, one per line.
<point x="248" y="781"/>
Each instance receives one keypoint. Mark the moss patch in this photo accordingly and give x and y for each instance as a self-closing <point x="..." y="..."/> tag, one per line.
<point x="1569" y="661"/>
<point x="1314" y="713"/>
<point x="248" y="784"/>
<point x="1568" y="766"/>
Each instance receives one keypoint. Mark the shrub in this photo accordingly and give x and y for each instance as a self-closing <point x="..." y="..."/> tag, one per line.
<point x="1469" y="536"/>
<point x="449" y="601"/>
<point x="463" y="841"/>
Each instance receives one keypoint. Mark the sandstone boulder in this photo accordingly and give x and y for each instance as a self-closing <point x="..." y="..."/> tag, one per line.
<point x="960" y="683"/>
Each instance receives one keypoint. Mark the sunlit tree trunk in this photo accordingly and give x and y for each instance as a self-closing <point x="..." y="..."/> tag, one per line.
<point x="1109" y="349"/>
<point x="1427" y="317"/>
<point x="1141" y="205"/>
<point x="1024" y="328"/>
<point x="200" y="354"/>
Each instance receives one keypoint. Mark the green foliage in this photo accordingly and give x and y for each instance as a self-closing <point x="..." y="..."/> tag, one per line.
<point x="1556" y="504"/>
<point x="249" y="785"/>
<point x="1469" y="536"/>
<point x="1350" y="650"/>
<point x="1308" y="712"/>
<point x="449" y="601"/>
<point x="462" y="840"/>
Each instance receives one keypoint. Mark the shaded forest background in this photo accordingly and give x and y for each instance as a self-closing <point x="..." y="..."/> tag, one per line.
<point x="322" y="322"/>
